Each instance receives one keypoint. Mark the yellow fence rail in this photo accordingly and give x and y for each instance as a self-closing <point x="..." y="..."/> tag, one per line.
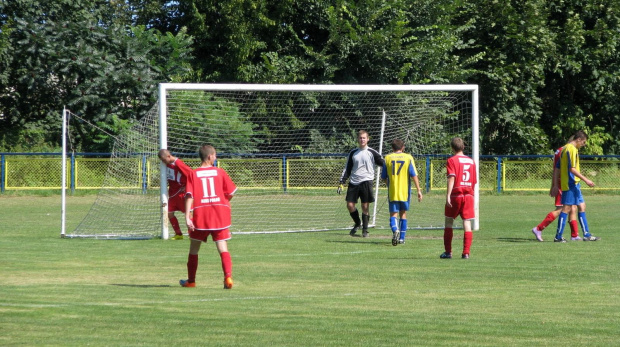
<point x="38" y="171"/>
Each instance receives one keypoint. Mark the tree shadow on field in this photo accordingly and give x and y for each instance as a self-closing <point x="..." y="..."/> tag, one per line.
<point x="141" y="285"/>
<point x="362" y="242"/>
<point x="516" y="239"/>
<point x="376" y="240"/>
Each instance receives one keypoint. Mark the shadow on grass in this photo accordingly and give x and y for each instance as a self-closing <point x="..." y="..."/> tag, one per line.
<point x="516" y="239"/>
<point x="360" y="241"/>
<point x="141" y="285"/>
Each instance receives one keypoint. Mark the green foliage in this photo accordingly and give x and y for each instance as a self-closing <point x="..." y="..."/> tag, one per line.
<point x="543" y="67"/>
<point x="66" y="55"/>
<point x="29" y="138"/>
<point x="204" y="123"/>
<point x="583" y="75"/>
<point x="514" y="43"/>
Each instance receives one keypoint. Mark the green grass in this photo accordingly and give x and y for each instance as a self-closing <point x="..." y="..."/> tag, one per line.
<point x="312" y="289"/>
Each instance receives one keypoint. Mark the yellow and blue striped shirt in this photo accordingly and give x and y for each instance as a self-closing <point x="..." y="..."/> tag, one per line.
<point x="569" y="158"/>
<point x="398" y="170"/>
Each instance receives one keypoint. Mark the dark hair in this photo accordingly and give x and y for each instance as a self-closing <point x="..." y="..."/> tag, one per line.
<point x="205" y="151"/>
<point x="397" y="144"/>
<point x="580" y="134"/>
<point x="162" y="153"/>
<point x="457" y="144"/>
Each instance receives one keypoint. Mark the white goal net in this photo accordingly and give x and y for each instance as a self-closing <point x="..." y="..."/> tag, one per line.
<point x="285" y="148"/>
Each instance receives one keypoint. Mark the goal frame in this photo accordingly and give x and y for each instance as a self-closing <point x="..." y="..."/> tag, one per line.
<point x="163" y="112"/>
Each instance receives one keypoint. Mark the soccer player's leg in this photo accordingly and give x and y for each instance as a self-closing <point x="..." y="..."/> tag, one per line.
<point x="175" y="226"/>
<point x="467" y="214"/>
<point x="393" y="206"/>
<point x="549" y="218"/>
<point x="570" y="198"/>
<point x="404" y="207"/>
<point x="351" y="199"/>
<point x="561" y="224"/>
<point x="468" y="237"/>
<point x="574" y="224"/>
<point x="366" y="197"/>
<point x="403" y="231"/>
<point x="176" y="203"/>
<point x="450" y="213"/>
<point x="192" y="260"/>
<point x="365" y="222"/>
<point x="584" y="223"/>
<point x="221" y="238"/>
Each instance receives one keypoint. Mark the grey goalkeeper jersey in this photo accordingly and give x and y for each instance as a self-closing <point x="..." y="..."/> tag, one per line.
<point x="360" y="165"/>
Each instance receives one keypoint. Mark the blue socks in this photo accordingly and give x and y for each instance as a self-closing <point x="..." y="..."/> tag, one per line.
<point x="583" y="221"/>
<point x="561" y="224"/>
<point x="393" y="224"/>
<point x="403" y="229"/>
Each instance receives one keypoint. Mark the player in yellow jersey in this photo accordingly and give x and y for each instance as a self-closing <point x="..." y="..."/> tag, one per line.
<point x="399" y="170"/>
<point x="570" y="176"/>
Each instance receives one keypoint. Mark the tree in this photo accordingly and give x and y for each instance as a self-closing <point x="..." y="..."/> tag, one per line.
<point x="582" y="81"/>
<point x="67" y="56"/>
<point x="515" y="44"/>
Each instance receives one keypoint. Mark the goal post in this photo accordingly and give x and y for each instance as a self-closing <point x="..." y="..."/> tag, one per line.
<point x="446" y="105"/>
<point x="285" y="146"/>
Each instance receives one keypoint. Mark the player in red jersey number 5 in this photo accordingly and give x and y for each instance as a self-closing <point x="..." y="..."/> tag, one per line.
<point x="209" y="189"/>
<point x="462" y="179"/>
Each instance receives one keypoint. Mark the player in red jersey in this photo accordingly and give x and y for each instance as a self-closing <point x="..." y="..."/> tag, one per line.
<point x="177" y="172"/>
<point x="462" y="179"/>
<point x="551" y="216"/>
<point x="209" y="189"/>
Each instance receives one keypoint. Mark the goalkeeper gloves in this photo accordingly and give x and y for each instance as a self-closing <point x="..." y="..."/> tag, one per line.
<point x="340" y="187"/>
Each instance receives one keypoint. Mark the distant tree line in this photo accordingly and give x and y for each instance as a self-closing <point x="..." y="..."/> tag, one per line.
<point x="545" y="67"/>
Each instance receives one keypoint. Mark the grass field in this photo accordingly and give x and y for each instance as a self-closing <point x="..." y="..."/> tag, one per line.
<point x="312" y="289"/>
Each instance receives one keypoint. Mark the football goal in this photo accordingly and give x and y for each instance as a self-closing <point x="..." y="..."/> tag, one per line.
<point x="285" y="147"/>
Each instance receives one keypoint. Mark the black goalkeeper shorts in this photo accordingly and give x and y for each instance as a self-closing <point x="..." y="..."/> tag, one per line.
<point x="362" y="191"/>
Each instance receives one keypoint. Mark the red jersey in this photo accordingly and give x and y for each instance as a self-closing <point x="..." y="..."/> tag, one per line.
<point x="463" y="168"/>
<point x="211" y="188"/>
<point x="177" y="173"/>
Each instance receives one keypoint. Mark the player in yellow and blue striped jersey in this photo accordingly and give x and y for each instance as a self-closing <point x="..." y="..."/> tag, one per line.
<point x="399" y="171"/>
<point x="569" y="176"/>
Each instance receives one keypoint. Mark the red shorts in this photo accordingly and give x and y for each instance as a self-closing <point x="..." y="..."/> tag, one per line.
<point x="176" y="203"/>
<point x="216" y="235"/>
<point x="462" y="205"/>
<point x="558" y="199"/>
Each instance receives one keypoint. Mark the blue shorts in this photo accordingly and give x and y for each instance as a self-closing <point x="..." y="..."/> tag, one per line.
<point x="572" y="196"/>
<point x="396" y="206"/>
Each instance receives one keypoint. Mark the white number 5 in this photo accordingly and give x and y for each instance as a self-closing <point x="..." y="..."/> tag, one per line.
<point x="466" y="173"/>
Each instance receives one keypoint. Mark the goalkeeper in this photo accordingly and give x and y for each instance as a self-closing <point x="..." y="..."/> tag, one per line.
<point x="360" y="170"/>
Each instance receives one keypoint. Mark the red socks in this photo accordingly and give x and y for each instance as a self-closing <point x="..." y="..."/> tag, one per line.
<point x="192" y="266"/>
<point x="548" y="219"/>
<point x="448" y="234"/>
<point x="574" y="228"/>
<point x="467" y="238"/>
<point x="226" y="264"/>
<point x="447" y="239"/>
<point x="175" y="225"/>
